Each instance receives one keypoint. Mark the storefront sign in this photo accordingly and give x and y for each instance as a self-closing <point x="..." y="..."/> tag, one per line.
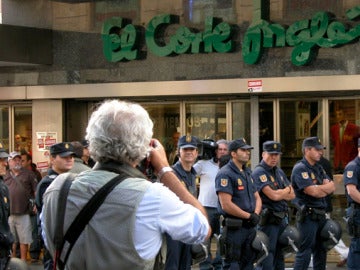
<point x="123" y="41"/>
<point x="45" y="140"/>
<point x="255" y="86"/>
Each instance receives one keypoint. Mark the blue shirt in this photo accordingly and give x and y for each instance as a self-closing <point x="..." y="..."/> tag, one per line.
<point x="275" y="178"/>
<point x="352" y="176"/>
<point x="239" y="184"/>
<point x="304" y="175"/>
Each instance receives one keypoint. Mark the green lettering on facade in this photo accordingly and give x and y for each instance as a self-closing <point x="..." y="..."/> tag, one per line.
<point x="118" y="47"/>
<point x="121" y="40"/>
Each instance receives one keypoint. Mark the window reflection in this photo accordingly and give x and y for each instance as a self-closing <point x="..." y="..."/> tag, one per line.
<point x="241" y="121"/>
<point x="166" y="118"/>
<point x="206" y="121"/>
<point x="344" y="132"/>
<point x="23" y="129"/>
<point x="4" y="130"/>
<point x="298" y="120"/>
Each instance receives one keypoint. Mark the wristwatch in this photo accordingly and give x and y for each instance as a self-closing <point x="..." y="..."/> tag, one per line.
<point x="163" y="171"/>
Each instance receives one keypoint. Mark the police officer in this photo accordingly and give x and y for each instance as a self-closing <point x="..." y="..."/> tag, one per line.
<point x="61" y="161"/>
<point x="312" y="185"/>
<point x="179" y="254"/>
<point x="275" y="191"/>
<point x="240" y="204"/>
<point x="351" y="178"/>
<point x="6" y="238"/>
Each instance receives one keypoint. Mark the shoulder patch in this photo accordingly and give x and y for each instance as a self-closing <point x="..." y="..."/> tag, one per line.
<point x="224" y="182"/>
<point x="349" y="174"/>
<point x="263" y="178"/>
<point x="305" y="175"/>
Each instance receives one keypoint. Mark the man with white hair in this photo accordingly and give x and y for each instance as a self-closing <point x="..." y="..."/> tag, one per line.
<point x="126" y="233"/>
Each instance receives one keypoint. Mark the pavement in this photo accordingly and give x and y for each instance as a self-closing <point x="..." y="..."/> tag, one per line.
<point x="329" y="266"/>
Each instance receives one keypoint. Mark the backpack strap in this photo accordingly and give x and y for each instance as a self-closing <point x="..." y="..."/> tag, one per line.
<point x="64" y="244"/>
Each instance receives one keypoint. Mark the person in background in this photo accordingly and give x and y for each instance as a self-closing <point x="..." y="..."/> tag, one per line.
<point x="351" y="179"/>
<point x="207" y="171"/>
<point x="87" y="160"/>
<point x="240" y="203"/>
<point x="127" y="233"/>
<point x="178" y="256"/>
<point x="61" y="161"/>
<point x="275" y="191"/>
<point x="172" y="148"/>
<point x="344" y="136"/>
<point x="36" y="245"/>
<point x="79" y="165"/>
<point x="26" y="162"/>
<point x="312" y="186"/>
<point x="22" y="185"/>
<point x="6" y="238"/>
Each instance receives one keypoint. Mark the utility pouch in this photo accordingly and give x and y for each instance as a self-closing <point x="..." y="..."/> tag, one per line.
<point x="350" y="226"/>
<point x="301" y="214"/>
<point x="317" y="214"/>
<point x="221" y="244"/>
<point x="276" y="218"/>
<point x="264" y="217"/>
<point x="233" y="223"/>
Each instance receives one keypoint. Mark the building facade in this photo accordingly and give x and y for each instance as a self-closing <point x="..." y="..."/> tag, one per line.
<point x="275" y="69"/>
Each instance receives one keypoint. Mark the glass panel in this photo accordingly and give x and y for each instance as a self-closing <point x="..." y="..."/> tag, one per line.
<point x="206" y="121"/>
<point x="241" y="121"/>
<point x="23" y="129"/>
<point x="4" y="130"/>
<point x="301" y="119"/>
<point x="344" y="132"/>
<point x="266" y="122"/>
<point x="166" y="118"/>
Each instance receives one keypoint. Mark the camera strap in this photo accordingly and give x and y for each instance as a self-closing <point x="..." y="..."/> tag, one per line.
<point x="64" y="244"/>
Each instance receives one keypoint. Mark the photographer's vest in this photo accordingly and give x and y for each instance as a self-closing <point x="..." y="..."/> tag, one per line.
<point x="119" y="252"/>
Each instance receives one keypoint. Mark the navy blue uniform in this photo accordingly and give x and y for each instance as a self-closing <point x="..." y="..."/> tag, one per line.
<point x="352" y="176"/>
<point x="178" y="254"/>
<point x="240" y="185"/>
<point x="302" y="176"/>
<point x="277" y="212"/>
<point x="40" y="190"/>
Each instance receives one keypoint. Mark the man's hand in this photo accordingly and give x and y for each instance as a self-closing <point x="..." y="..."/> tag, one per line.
<point x="158" y="157"/>
<point x="254" y="219"/>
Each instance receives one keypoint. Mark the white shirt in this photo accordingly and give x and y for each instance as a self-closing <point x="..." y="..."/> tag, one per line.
<point x="207" y="170"/>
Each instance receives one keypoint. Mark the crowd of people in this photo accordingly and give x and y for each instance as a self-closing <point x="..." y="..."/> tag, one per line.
<point x="172" y="222"/>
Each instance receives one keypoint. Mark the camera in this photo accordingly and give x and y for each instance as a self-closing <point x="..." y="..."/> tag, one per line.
<point x="147" y="169"/>
<point x="207" y="149"/>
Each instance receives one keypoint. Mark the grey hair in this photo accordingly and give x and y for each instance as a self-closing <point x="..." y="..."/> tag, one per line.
<point x="222" y="141"/>
<point x="119" y="131"/>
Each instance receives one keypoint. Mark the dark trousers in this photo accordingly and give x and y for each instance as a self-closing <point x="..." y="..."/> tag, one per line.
<point x="275" y="259"/>
<point x="240" y="250"/>
<point x="35" y="247"/>
<point x="353" y="261"/>
<point x="311" y="244"/>
<point x="178" y="255"/>
<point x="212" y="262"/>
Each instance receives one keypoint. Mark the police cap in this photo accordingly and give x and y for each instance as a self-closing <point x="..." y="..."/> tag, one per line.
<point x="313" y="142"/>
<point x="239" y="143"/>
<point x="188" y="141"/>
<point x="62" y="149"/>
<point x="272" y="147"/>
